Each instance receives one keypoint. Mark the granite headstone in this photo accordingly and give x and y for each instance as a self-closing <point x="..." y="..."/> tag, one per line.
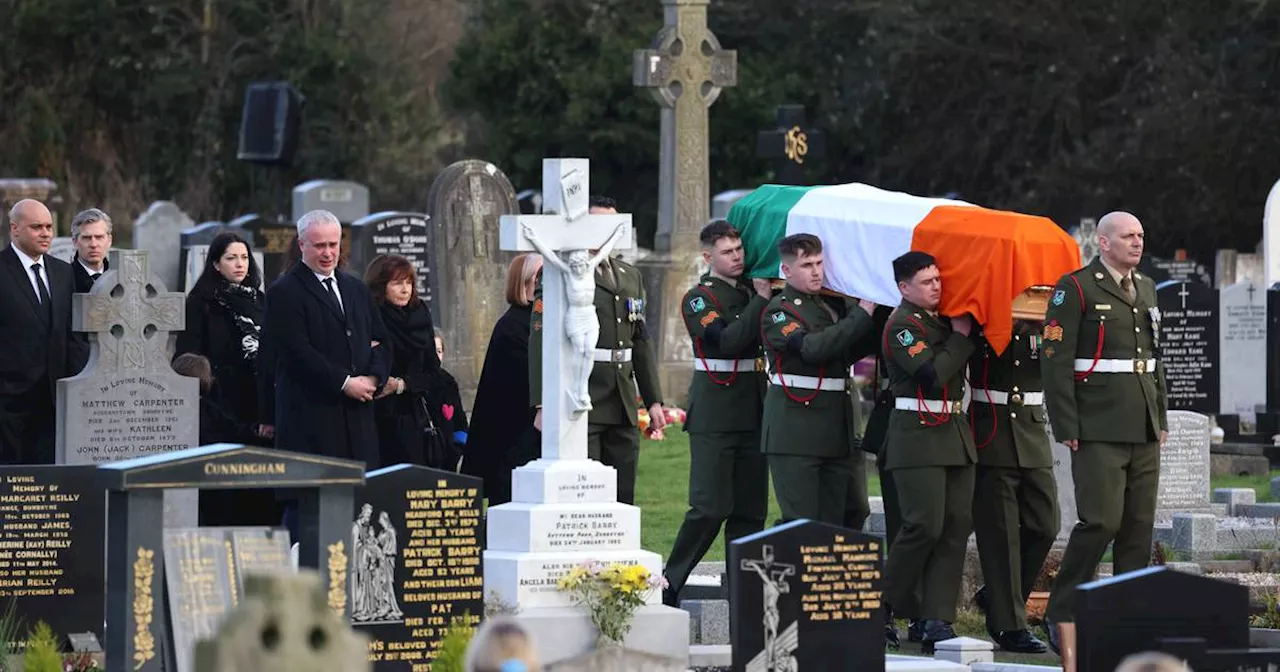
<point x="159" y="232"/>
<point x="807" y="596"/>
<point x="1188" y="345"/>
<point x="399" y="233"/>
<point x="1184" y="466"/>
<point x="1243" y="348"/>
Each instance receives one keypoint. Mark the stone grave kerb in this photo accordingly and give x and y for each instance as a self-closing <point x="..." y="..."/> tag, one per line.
<point x="138" y="636"/>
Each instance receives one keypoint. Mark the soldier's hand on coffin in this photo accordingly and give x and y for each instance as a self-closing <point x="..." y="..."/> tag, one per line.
<point x="962" y="325"/>
<point x="763" y="287"/>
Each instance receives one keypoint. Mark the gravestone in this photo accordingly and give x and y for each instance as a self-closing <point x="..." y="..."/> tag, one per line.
<point x="399" y="233"/>
<point x="1131" y="613"/>
<point x="195" y="249"/>
<point x="1184" y="467"/>
<point x="807" y="596"/>
<point x="415" y="562"/>
<point x="140" y="638"/>
<point x="1086" y="236"/>
<point x="1271" y="238"/>
<point x="1231" y="267"/>
<point x="128" y="401"/>
<point x="1188" y="345"/>
<point x="52" y="541"/>
<point x="62" y="248"/>
<point x="1242" y="348"/>
<point x="348" y="201"/>
<point x="199" y="580"/>
<point x="723" y="202"/>
<point x="792" y="143"/>
<point x="273" y="242"/>
<point x="1066" y="486"/>
<point x="159" y="232"/>
<point x="258" y="550"/>
<point x="1182" y="268"/>
<point x="469" y="268"/>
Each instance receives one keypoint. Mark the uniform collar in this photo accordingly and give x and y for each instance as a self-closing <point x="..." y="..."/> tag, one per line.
<point x="1116" y="275"/>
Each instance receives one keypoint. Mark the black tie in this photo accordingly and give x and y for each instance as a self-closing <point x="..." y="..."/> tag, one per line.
<point x="43" y="292"/>
<point x="95" y="276"/>
<point x="328" y="284"/>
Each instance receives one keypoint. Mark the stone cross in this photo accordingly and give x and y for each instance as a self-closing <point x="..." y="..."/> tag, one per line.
<point x="129" y="319"/>
<point x="563" y="229"/>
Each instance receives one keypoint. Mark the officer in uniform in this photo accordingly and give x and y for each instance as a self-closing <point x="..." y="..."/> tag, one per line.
<point x="811" y="341"/>
<point x="728" y="476"/>
<point x="1015" y="499"/>
<point x="1104" y="386"/>
<point x="623" y="349"/>
<point x="930" y="451"/>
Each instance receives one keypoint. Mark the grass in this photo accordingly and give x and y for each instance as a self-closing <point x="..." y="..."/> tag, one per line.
<point x="1260" y="484"/>
<point x="662" y="493"/>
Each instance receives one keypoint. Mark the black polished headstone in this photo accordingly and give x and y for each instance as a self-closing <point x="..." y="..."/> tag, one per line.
<point x="1133" y="612"/>
<point x="416" y="564"/>
<point x="807" y="596"/>
<point x="52" y="544"/>
<point x="274" y="238"/>
<point x="399" y="233"/>
<point x="1189" y="346"/>
<point x="792" y="143"/>
<point x="1185" y="269"/>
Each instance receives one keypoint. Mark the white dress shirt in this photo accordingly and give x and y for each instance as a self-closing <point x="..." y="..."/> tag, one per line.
<point x="336" y="289"/>
<point x="26" y="262"/>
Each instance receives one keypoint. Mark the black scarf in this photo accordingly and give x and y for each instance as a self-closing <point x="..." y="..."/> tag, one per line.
<point x="411" y="331"/>
<point x="244" y="305"/>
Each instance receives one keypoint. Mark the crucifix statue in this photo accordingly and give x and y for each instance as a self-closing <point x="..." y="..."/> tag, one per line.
<point x="773" y="577"/>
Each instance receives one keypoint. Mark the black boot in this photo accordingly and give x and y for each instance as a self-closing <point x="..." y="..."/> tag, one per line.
<point x="1020" y="641"/>
<point x="935" y="631"/>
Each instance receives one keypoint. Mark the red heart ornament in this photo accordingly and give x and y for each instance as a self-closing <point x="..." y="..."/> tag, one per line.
<point x="447" y="409"/>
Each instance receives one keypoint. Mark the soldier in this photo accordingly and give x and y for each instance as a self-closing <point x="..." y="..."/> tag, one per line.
<point x="930" y="453"/>
<point x="1015" y="499"/>
<point x="1104" y="387"/>
<point x="623" y="350"/>
<point x="728" y="476"/>
<point x="808" y="435"/>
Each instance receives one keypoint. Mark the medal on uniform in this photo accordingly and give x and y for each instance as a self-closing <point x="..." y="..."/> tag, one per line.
<point x="1034" y="342"/>
<point x="635" y="310"/>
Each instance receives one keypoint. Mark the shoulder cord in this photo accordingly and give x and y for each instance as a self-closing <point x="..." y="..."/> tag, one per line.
<point x="777" y="367"/>
<point x="932" y="419"/>
<point x="697" y="345"/>
<point x="1102" y="334"/>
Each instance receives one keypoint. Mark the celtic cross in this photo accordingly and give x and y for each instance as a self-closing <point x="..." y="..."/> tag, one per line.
<point x="129" y="317"/>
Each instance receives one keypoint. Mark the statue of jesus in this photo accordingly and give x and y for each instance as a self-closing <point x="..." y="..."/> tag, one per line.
<point x="581" y="326"/>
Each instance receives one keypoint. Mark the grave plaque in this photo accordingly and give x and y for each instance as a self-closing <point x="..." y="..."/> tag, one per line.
<point x="52" y="540"/>
<point x="415" y="562"/>
<point x="399" y="233"/>
<point x="1243" y="348"/>
<point x="159" y="232"/>
<point x="273" y="242"/>
<point x="1184" y="466"/>
<point x="201" y="589"/>
<point x="1188" y="345"/>
<point x="1133" y="612"/>
<point x="806" y="596"/>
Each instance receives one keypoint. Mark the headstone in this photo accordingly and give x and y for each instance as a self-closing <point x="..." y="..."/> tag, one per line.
<point x="1132" y="612"/>
<point x="564" y="509"/>
<point x="62" y="248"/>
<point x="159" y="232"/>
<point x="140" y="637"/>
<point x="128" y="401"/>
<point x="195" y="249"/>
<point x="400" y="233"/>
<point x="792" y="143"/>
<point x="1086" y="236"/>
<point x="1182" y="268"/>
<point x="258" y="550"/>
<point x="1271" y="237"/>
<point x="1242" y="348"/>
<point x="52" y="541"/>
<point x="1066" y="486"/>
<point x="199" y="580"/>
<point x="1250" y="268"/>
<point x="1188" y="346"/>
<point x="415" y="562"/>
<point x="348" y="201"/>
<point x="469" y="269"/>
<point x="723" y="202"/>
<point x="807" y="596"/>
<point x="1184" y="466"/>
<point x="273" y="242"/>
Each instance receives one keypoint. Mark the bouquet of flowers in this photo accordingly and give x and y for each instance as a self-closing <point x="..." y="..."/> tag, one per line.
<point x="611" y="593"/>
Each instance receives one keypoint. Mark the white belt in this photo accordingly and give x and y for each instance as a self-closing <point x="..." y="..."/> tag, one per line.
<point x="927" y="405"/>
<point x="724" y="365"/>
<point x="981" y="396"/>
<point x="1116" y="365"/>
<point x="808" y="382"/>
<point x="612" y="356"/>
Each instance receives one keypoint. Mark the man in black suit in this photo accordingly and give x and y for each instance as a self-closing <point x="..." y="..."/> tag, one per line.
<point x="35" y="326"/>
<point x="91" y="234"/>
<point x="326" y="338"/>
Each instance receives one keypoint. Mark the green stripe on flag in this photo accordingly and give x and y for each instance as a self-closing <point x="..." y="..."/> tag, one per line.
<point x="761" y="216"/>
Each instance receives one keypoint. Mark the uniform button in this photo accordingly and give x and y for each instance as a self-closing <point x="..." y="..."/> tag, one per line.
<point x="617" y="298"/>
<point x="1135" y="311"/>
<point x="1017" y="338"/>
<point x="1017" y="363"/>
<point x="806" y="403"/>
<point x="1085" y="380"/>
<point x="1015" y="388"/>
<point x="1137" y="330"/>
<point x="619" y="320"/>
<point x="348" y="332"/>
<point x="1013" y="415"/>
<point x="619" y="343"/>
<point x="1139" y="349"/>
<point x="619" y="367"/>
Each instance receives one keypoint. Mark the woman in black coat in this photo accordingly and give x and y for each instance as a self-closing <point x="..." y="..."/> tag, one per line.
<point x="502" y="436"/>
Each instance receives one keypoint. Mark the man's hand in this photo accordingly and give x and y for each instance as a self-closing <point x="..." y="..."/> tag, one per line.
<point x="1164" y="434"/>
<point x="763" y="287"/>
<point x="361" y="388"/>
<point x="392" y="386"/>
<point x="537" y="419"/>
<point x="657" y="417"/>
<point x="1073" y="444"/>
<point x="963" y="324"/>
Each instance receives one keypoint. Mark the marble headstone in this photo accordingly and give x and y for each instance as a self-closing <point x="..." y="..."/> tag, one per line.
<point x="159" y="232"/>
<point x="1243" y="347"/>
<point x="1184" y="466"/>
<point x="128" y="402"/>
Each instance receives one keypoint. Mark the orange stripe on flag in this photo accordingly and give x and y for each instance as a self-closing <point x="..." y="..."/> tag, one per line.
<point x="989" y="257"/>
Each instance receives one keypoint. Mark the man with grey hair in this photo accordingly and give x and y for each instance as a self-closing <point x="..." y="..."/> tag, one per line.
<point x="35" y="326"/>
<point x="91" y="235"/>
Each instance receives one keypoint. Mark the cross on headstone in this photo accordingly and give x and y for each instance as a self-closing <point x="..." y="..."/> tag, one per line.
<point x="1251" y="290"/>
<point x="476" y="209"/>
<point x="771" y="577"/>
<point x="1183" y="294"/>
<point x="129" y="323"/>
<point x="565" y="185"/>
<point x="684" y="71"/>
<point x="791" y="143"/>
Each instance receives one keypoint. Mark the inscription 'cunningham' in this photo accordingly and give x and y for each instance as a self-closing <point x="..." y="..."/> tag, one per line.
<point x="245" y="469"/>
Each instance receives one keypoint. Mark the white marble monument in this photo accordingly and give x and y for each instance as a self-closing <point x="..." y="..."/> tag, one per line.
<point x="564" y="509"/>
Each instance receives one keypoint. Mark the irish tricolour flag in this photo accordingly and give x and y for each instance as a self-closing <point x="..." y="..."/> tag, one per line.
<point x="987" y="257"/>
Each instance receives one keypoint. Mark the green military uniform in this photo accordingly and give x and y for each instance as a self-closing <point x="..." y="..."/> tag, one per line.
<point x="622" y="350"/>
<point x="872" y="441"/>
<point x="728" y="476"/>
<point x="930" y="453"/>
<point x="1104" y="387"/>
<point x="808" y="435"/>
<point x="1015" y="499"/>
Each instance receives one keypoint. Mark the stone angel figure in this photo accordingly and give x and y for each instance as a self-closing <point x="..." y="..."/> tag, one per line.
<point x="581" y="325"/>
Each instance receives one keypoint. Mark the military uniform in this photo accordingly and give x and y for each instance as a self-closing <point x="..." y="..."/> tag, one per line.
<point x="1104" y="386"/>
<point x="808" y="435"/>
<point x="622" y="350"/>
<point x="728" y="476"/>
<point x="856" y="512"/>
<point x="1015" y="499"/>
<point x="930" y="453"/>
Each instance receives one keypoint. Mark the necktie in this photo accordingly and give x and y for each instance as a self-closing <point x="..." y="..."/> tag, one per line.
<point x="1126" y="283"/>
<point x="328" y="284"/>
<point x="42" y="291"/>
<point x="95" y="276"/>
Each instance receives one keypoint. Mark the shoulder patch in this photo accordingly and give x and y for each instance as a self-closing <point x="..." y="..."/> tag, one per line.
<point x="779" y="317"/>
<point x="790" y="328"/>
<point x="917" y="348"/>
<point x="697" y="305"/>
<point x="1053" y="331"/>
<point x="905" y="337"/>
<point x="709" y="318"/>
<point x="1059" y="296"/>
<point x="537" y="306"/>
